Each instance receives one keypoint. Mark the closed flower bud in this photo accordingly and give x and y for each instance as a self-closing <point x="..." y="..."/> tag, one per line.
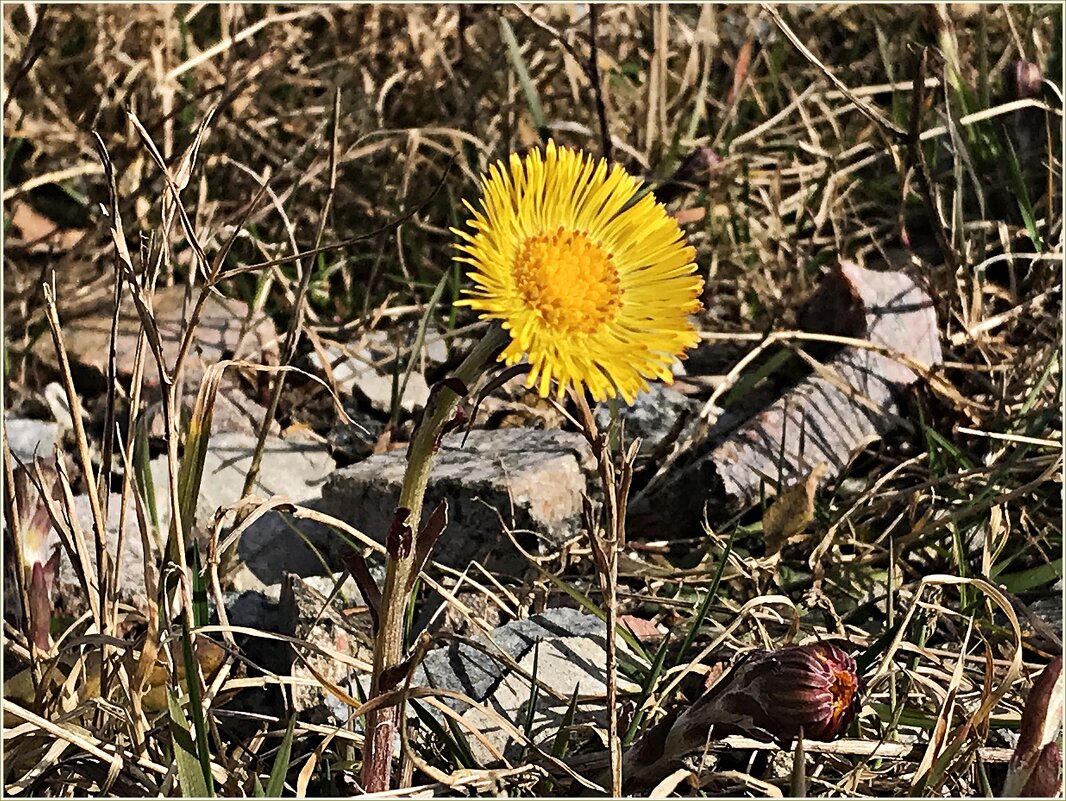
<point x="1022" y="79"/>
<point x="39" y="562"/>
<point x="1035" y="769"/>
<point x="810" y="687"/>
<point x="766" y="694"/>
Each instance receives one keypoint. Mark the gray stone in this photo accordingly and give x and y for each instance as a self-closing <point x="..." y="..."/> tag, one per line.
<point x="253" y="609"/>
<point x="226" y="326"/>
<point x="273" y="544"/>
<point x="564" y="648"/>
<point x="131" y="586"/>
<point x="369" y="374"/>
<point x="306" y="615"/>
<point x="825" y="418"/>
<point x="354" y="442"/>
<point x="529" y="480"/>
<point x="656" y="416"/>
<point x="471" y="671"/>
<point x="30" y="438"/>
<point x="277" y="544"/>
<point x="233" y="412"/>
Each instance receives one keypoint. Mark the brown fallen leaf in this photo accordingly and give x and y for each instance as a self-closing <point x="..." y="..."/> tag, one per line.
<point x="740" y="70"/>
<point x="785" y="520"/>
<point x="643" y="630"/>
<point x="209" y="654"/>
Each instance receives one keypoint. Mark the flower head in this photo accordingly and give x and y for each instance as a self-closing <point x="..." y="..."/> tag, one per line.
<point x="811" y="687"/>
<point x="765" y="694"/>
<point x="594" y="284"/>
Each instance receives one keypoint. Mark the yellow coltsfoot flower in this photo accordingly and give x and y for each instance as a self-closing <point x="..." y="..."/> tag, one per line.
<point x="594" y="287"/>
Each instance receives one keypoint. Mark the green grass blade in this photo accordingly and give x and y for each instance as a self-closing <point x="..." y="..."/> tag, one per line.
<point x="705" y="605"/>
<point x="562" y="736"/>
<point x="748" y="382"/>
<point x="456" y="745"/>
<point x="587" y="603"/>
<point x="201" y="612"/>
<point x="534" y="693"/>
<point x="1025" y="206"/>
<point x="143" y="471"/>
<point x="536" y="110"/>
<point x="192" y="686"/>
<point x="276" y="783"/>
<point x="1033" y="577"/>
<point x="191" y="472"/>
<point x="190" y="774"/>
<point x="646" y="691"/>
<point x="865" y="660"/>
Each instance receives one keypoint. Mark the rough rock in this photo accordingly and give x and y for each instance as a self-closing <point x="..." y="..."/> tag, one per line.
<point x="30" y="438"/>
<point x="826" y="417"/>
<point x="222" y="331"/>
<point x="131" y="588"/>
<point x="293" y="467"/>
<point x="368" y="373"/>
<point x="234" y="412"/>
<point x="568" y="647"/>
<point x="353" y="442"/>
<point x="526" y="479"/>
<point x="305" y="614"/>
<point x="656" y="416"/>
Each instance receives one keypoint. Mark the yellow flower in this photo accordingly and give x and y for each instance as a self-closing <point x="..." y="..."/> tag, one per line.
<point x="594" y="287"/>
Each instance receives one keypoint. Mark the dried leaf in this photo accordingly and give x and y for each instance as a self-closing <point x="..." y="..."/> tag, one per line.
<point x="785" y="520"/>
<point x="398" y="538"/>
<point x="643" y="630"/>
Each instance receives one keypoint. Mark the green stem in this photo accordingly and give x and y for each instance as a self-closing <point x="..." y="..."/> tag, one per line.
<point x="389" y="646"/>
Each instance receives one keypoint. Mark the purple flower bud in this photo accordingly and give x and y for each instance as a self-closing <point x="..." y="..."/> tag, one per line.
<point x="775" y="694"/>
<point x="1035" y="769"/>
<point x="35" y="525"/>
<point x="1022" y="79"/>
<point x="809" y="687"/>
<point x="34" y="522"/>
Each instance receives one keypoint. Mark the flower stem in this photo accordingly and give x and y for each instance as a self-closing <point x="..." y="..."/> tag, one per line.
<point x="607" y="534"/>
<point x="389" y="645"/>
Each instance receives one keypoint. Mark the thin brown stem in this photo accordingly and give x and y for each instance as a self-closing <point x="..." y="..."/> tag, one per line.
<point x="292" y="337"/>
<point x="597" y="87"/>
<point x="606" y="540"/>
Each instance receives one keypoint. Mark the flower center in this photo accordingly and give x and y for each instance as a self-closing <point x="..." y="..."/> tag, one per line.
<point x="569" y="279"/>
<point x="842" y="686"/>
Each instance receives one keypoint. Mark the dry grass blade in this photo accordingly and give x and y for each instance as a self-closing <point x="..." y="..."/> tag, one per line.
<point x="867" y="110"/>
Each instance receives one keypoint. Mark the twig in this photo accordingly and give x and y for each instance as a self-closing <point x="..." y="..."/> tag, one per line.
<point x="916" y="159"/>
<point x="597" y="89"/>
<point x="606" y="539"/>
<point x="292" y="337"/>
<point x="34" y="48"/>
<point x="867" y="110"/>
<point x="344" y="243"/>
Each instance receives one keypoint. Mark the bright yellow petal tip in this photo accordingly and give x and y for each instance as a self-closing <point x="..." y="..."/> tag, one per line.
<point x="594" y="287"/>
